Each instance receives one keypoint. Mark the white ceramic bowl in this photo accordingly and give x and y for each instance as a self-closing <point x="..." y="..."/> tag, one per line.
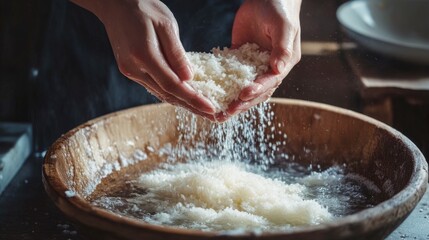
<point x="398" y="28"/>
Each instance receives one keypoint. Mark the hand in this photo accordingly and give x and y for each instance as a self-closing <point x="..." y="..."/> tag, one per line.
<point x="274" y="26"/>
<point x="145" y="40"/>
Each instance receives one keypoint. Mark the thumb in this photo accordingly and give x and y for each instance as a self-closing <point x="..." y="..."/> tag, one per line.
<point x="282" y="47"/>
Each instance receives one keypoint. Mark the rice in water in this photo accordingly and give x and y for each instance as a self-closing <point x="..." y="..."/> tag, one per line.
<point x="223" y="195"/>
<point x="219" y="177"/>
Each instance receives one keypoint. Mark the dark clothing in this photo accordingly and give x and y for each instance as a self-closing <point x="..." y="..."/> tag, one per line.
<point x="76" y="78"/>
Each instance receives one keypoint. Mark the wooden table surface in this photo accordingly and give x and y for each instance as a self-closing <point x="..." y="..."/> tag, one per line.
<point x="333" y="70"/>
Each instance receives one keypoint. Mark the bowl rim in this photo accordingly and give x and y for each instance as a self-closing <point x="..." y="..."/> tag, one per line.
<point x="413" y="191"/>
<point x="351" y="5"/>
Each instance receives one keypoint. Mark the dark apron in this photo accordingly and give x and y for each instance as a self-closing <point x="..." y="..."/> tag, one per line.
<point x="75" y="77"/>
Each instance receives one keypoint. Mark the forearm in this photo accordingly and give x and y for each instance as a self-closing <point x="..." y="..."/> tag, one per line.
<point x="93" y="6"/>
<point x="100" y="8"/>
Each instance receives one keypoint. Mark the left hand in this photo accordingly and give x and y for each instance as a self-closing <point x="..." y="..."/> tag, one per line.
<point x="273" y="25"/>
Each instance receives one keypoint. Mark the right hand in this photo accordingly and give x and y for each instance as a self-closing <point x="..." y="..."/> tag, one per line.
<point x="274" y="25"/>
<point x="145" y="40"/>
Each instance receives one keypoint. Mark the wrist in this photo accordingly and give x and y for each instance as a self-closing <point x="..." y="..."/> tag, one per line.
<point x="104" y="9"/>
<point x="90" y="5"/>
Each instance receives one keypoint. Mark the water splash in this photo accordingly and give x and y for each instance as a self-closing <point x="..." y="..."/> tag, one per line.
<point x="247" y="137"/>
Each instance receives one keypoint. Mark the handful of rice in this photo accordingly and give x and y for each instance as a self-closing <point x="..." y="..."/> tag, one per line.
<point x="221" y="75"/>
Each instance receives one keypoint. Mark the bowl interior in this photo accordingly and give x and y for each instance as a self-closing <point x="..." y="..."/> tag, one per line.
<point x="405" y="19"/>
<point x="398" y="22"/>
<point x="99" y="156"/>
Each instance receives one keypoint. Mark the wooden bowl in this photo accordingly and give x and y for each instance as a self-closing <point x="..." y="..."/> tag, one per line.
<point x="78" y="161"/>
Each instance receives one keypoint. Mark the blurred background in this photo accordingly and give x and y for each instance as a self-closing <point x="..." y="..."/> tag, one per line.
<point x="57" y="69"/>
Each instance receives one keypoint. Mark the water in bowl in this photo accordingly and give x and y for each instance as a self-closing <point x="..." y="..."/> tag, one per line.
<point x="197" y="185"/>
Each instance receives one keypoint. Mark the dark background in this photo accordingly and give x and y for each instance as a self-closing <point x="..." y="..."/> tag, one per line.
<point x="57" y="71"/>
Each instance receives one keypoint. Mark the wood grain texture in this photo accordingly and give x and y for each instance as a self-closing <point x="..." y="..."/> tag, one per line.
<point x="333" y="135"/>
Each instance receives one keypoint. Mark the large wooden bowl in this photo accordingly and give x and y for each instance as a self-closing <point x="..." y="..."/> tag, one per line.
<point x="78" y="161"/>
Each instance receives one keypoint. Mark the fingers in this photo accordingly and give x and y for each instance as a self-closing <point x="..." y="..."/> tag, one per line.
<point x="261" y="85"/>
<point x="282" y="47"/>
<point x="239" y="106"/>
<point x="139" y="49"/>
<point x="236" y="107"/>
<point x="272" y="80"/>
<point x="265" y="85"/>
<point x="169" y="84"/>
<point x="262" y="98"/>
<point x="279" y="32"/>
<point x="147" y="81"/>
<point x="168" y="35"/>
<point x="222" y="117"/>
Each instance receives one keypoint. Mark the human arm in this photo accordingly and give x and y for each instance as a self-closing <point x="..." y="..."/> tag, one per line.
<point x="145" y="41"/>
